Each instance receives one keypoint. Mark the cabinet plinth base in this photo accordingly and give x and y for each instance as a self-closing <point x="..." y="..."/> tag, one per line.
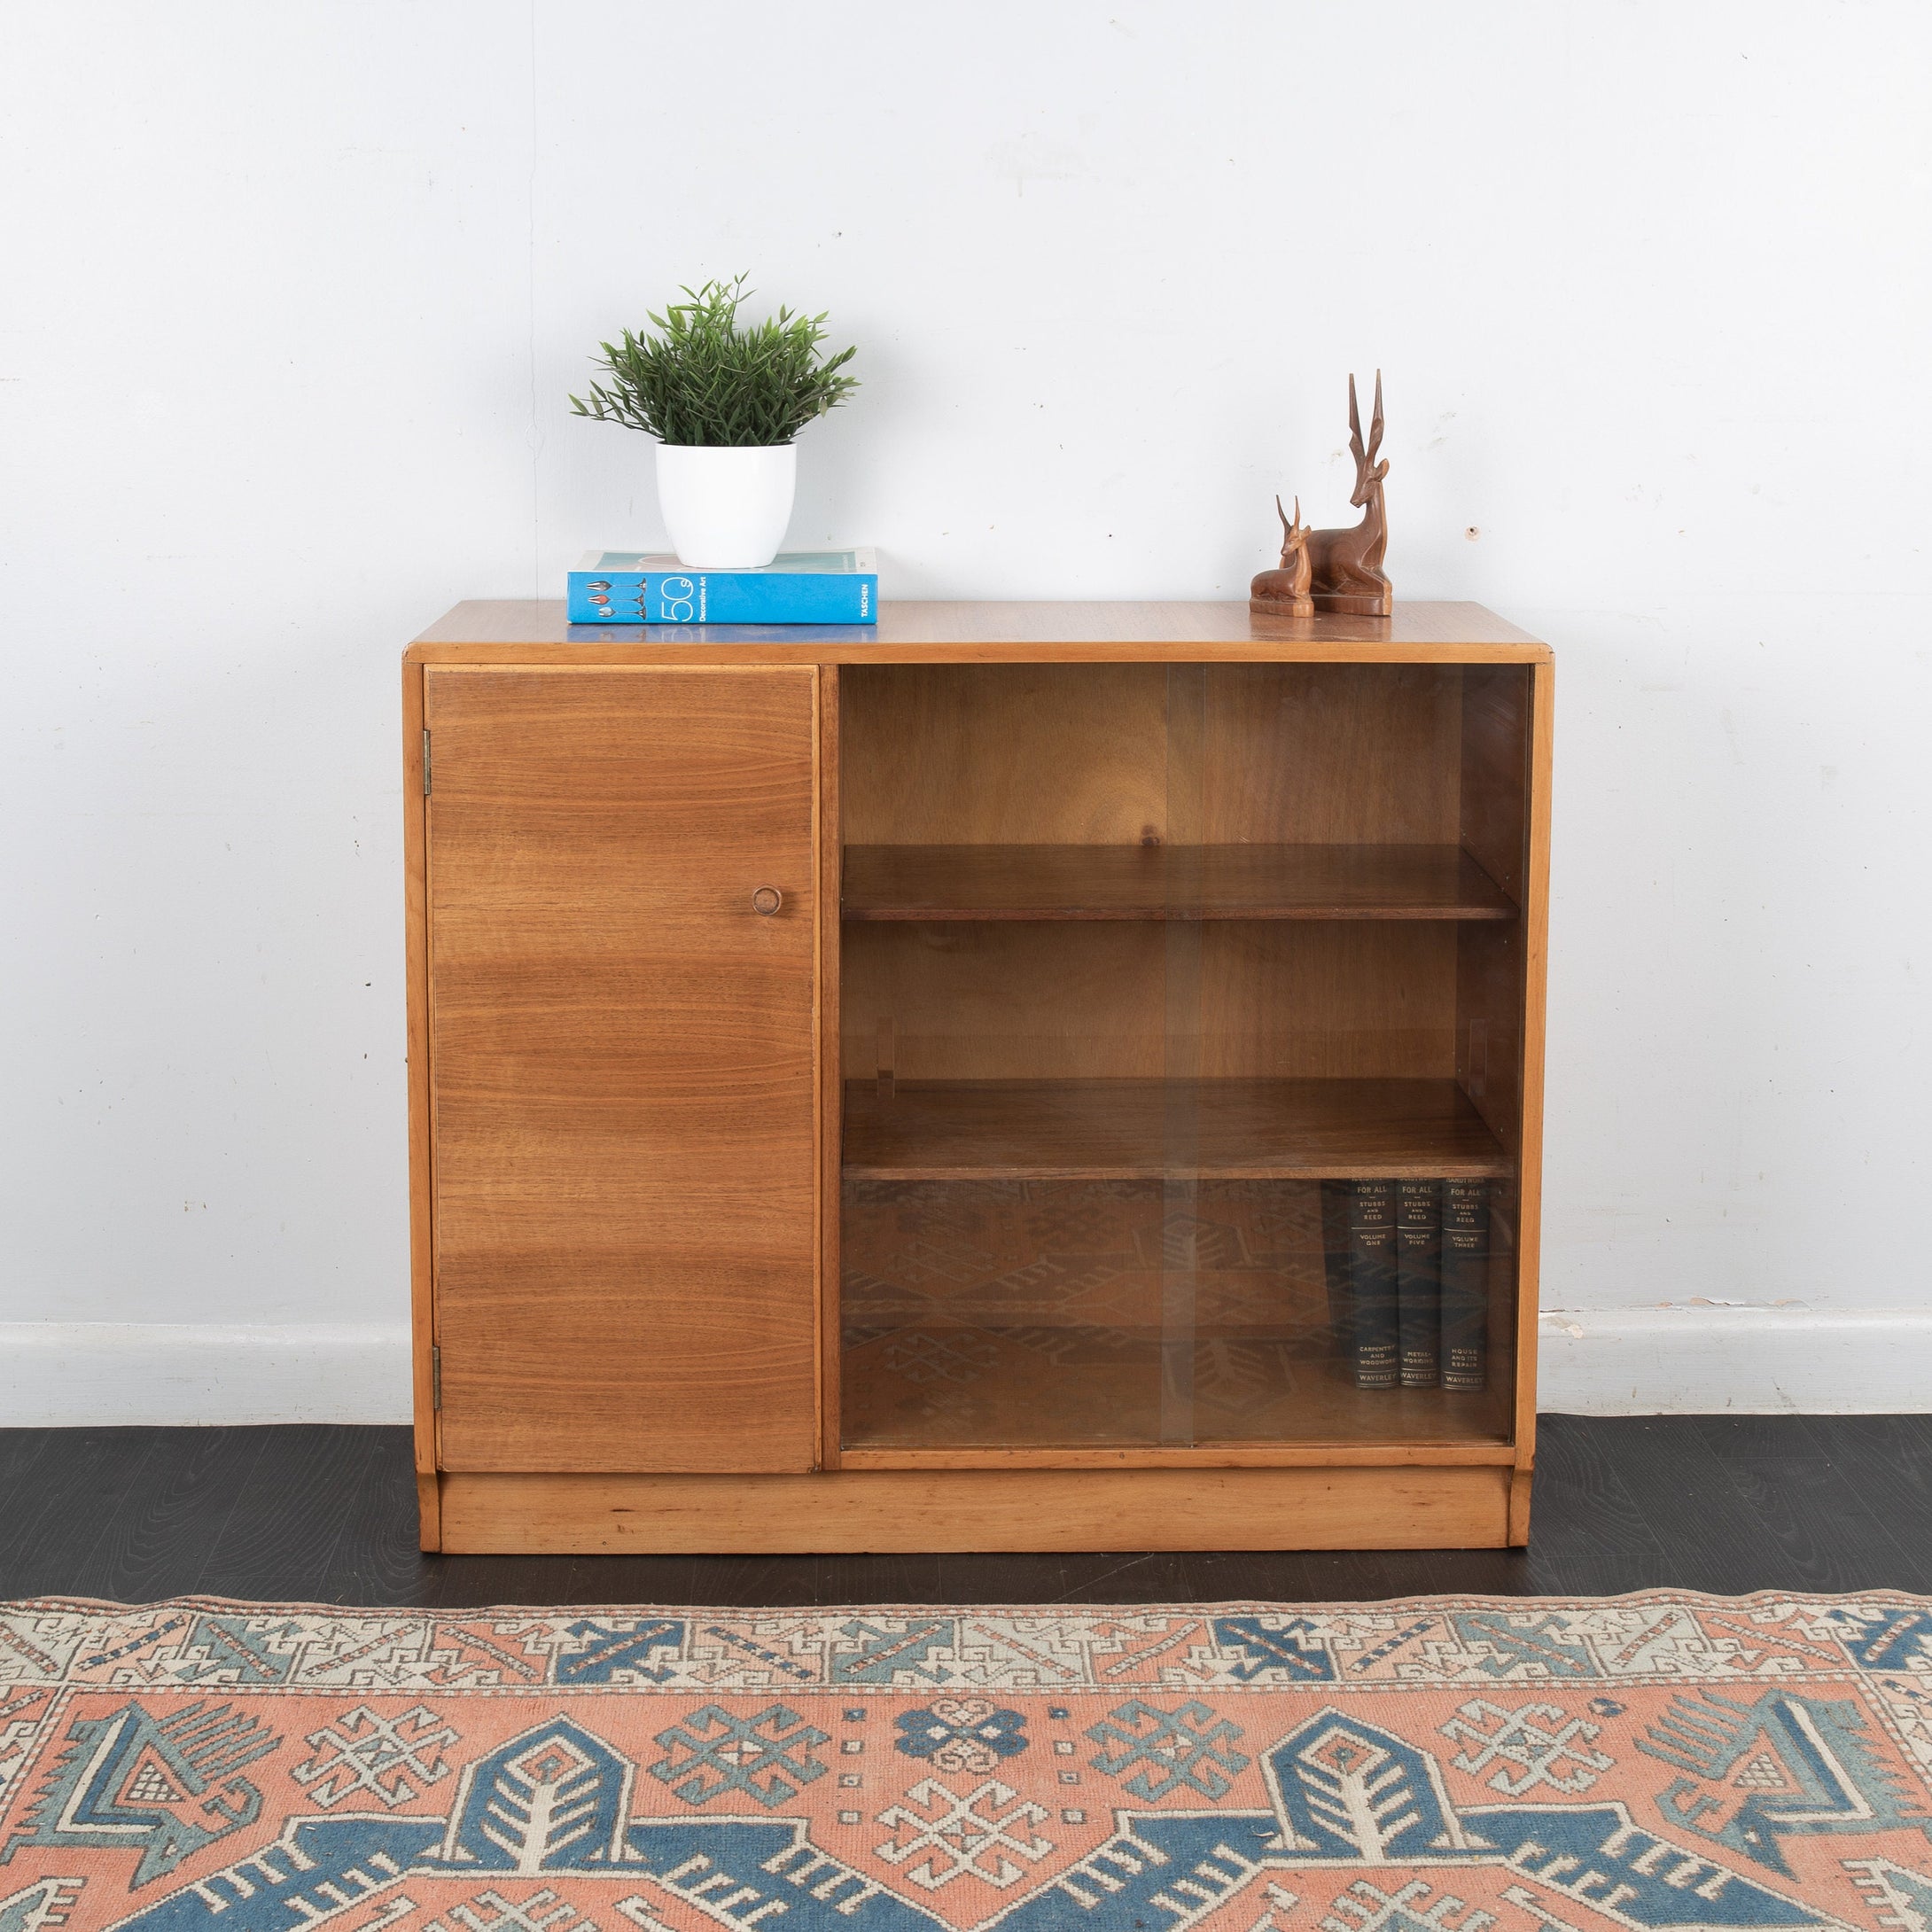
<point x="890" y="1510"/>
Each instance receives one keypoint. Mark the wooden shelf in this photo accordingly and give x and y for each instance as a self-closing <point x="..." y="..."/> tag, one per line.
<point x="1169" y="882"/>
<point x="1114" y="1130"/>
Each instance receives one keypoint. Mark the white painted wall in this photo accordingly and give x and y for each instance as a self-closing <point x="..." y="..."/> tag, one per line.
<point x="294" y="294"/>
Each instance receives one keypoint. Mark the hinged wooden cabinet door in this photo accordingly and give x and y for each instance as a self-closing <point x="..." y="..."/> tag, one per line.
<point x="622" y="1067"/>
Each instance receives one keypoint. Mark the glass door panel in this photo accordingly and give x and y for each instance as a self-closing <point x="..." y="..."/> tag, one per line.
<point x="1180" y="1008"/>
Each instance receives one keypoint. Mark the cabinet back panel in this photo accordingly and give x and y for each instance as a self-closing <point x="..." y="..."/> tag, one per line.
<point x="971" y="1000"/>
<point x="621" y="1067"/>
<point x="995" y="755"/>
<point x="1119" y="754"/>
<point x="1331" y="754"/>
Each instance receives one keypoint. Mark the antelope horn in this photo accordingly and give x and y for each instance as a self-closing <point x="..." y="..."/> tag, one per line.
<point x="1375" y="426"/>
<point x="1281" y="513"/>
<point x="1355" y="429"/>
<point x="1297" y="513"/>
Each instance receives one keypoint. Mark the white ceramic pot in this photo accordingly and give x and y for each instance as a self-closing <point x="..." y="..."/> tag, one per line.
<point x="726" y="508"/>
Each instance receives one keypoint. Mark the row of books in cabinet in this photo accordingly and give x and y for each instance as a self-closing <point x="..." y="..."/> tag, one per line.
<point x="1407" y="1264"/>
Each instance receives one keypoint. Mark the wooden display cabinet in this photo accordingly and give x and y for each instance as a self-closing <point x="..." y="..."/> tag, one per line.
<point x="874" y="1089"/>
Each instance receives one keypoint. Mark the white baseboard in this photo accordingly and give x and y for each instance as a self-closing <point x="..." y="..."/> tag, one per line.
<point x="69" y="1374"/>
<point x="1699" y="1358"/>
<point x="1708" y="1359"/>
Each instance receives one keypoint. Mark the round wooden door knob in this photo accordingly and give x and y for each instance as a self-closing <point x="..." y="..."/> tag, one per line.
<point x="767" y="899"/>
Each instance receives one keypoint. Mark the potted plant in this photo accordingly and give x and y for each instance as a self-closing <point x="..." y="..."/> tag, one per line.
<point x="725" y="404"/>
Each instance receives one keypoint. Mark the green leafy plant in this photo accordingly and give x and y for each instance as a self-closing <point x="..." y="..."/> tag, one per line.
<point x="703" y="380"/>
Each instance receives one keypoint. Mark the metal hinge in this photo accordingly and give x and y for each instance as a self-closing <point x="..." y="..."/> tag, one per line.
<point x="435" y="1378"/>
<point x="425" y="761"/>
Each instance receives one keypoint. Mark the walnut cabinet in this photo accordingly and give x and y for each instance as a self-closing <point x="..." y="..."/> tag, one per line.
<point x="916" y="1089"/>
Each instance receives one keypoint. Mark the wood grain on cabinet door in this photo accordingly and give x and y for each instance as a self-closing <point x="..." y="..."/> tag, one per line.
<point x="622" y="1064"/>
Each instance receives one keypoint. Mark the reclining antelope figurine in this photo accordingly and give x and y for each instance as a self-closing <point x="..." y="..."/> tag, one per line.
<point x="1283" y="592"/>
<point x="1347" y="563"/>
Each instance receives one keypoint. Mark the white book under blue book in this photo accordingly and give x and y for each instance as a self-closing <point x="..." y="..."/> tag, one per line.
<point x="796" y="587"/>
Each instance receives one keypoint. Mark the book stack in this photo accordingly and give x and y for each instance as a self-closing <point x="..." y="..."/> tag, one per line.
<point x="796" y="587"/>
<point x="1408" y="1280"/>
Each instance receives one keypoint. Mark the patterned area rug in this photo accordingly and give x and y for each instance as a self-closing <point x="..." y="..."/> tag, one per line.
<point x="1441" y="1765"/>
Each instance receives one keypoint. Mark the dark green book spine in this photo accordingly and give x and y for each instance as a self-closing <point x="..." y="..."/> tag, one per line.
<point x="1336" y="1268"/>
<point x="1465" y="1284"/>
<point x="1371" y="1257"/>
<point x="1418" y="1231"/>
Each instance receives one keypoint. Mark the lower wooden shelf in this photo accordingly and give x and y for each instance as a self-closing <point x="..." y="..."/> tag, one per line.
<point x="935" y="1387"/>
<point x="1122" y="1130"/>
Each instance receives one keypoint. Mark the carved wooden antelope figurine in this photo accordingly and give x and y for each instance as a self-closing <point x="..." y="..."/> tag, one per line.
<point x="1283" y="592"/>
<point x="1347" y="563"/>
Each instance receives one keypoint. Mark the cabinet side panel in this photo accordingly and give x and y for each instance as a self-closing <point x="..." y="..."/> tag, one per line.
<point x="623" y="1068"/>
<point x="1536" y="917"/>
<point x="416" y="1049"/>
<point x="1492" y="957"/>
<point x="1492" y="989"/>
<point x="1495" y="804"/>
<point x="832" y="1093"/>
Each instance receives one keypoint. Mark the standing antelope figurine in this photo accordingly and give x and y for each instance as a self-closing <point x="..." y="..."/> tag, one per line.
<point x="1283" y="592"/>
<point x="1348" y="574"/>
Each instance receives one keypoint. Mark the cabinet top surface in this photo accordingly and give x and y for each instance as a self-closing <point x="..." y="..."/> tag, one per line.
<point x="533" y="631"/>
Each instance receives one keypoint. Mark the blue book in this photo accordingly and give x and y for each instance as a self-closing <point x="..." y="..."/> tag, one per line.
<point x="796" y="587"/>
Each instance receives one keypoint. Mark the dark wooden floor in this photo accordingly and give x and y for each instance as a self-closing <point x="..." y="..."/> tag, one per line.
<point x="327" y="1514"/>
